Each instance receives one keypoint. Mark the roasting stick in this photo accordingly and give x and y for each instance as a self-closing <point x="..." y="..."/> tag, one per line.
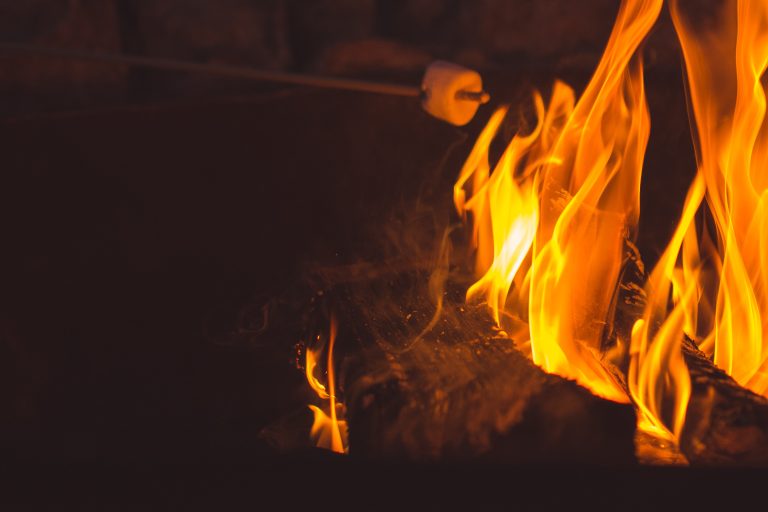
<point x="449" y="92"/>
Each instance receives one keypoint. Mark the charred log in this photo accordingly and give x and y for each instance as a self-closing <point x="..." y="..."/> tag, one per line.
<point x="726" y="423"/>
<point x="420" y="386"/>
<point x="483" y="398"/>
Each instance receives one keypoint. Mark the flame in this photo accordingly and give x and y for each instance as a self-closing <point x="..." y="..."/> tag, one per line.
<point x="328" y="431"/>
<point x="725" y="65"/>
<point x="505" y="210"/>
<point x="659" y="381"/>
<point x="311" y="364"/>
<point x="550" y="222"/>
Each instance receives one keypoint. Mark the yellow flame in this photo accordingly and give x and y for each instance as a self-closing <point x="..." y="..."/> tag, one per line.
<point x="505" y="212"/>
<point x="550" y="222"/>
<point x="311" y="363"/>
<point x="724" y="65"/>
<point x="659" y="381"/>
<point x="328" y="430"/>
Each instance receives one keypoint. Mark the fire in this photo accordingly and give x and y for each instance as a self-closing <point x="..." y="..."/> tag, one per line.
<point x="328" y="431"/>
<point x="505" y="211"/>
<point x="550" y="222"/>
<point x="658" y="377"/>
<point x="725" y="65"/>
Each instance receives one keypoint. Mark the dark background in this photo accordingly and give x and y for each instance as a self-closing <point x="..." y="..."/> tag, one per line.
<point x="387" y="38"/>
<point x="141" y="210"/>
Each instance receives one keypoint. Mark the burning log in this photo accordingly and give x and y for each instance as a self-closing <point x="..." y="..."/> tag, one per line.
<point x="463" y="389"/>
<point x="457" y="388"/>
<point x="726" y="423"/>
<point x="509" y="411"/>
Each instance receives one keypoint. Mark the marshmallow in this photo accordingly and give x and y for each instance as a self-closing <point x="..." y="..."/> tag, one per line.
<point x="442" y="81"/>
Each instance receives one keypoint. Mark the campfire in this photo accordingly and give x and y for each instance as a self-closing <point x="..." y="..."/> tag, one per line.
<point x="528" y="328"/>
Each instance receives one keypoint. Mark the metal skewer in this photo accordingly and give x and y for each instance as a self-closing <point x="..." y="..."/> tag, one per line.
<point x="237" y="71"/>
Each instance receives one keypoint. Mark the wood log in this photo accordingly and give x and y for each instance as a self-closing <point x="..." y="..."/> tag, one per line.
<point x="726" y="424"/>
<point x="458" y="390"/>
<point x="462" y="390"/>
<point x="481" y="398"/>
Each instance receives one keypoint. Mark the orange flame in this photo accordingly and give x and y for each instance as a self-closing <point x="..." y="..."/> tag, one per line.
<point x="553" y="216"/>
<point x="659" y="381"/>
<point x="328" y="431"/>
<point x="725" y="65"/>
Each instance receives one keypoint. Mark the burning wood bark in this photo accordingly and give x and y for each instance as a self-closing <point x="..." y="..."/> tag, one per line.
<point x="726" y="424"/>
<point x="460" y="389"/>
<point x="463" y="390"/>
<point x="481" y="398"/>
